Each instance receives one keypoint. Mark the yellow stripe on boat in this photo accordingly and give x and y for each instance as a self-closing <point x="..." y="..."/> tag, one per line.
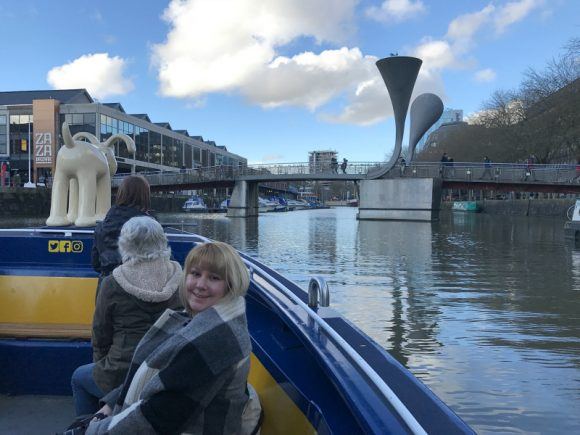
<point x="281" y="415"/>
<point x="41" y="306"/>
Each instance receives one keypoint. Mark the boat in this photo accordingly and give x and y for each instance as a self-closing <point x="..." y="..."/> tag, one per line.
<point x="298" y="204"/>
<point x="194" y="204"/>
<point x="279" y="203"/>
<point x="466" y="206"/>
<point x="314" y="371"/>
<point x="225" y="204"/>
<point x="265" y="205"/>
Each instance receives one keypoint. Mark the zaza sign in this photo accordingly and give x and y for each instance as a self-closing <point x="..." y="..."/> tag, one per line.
<point x="43" y="148"/>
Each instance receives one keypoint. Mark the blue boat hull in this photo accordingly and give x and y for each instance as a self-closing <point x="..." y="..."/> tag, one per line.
<point x="307" y="366"/>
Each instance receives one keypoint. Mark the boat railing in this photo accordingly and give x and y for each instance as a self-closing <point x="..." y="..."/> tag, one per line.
<point x="67" y="232"/>
<point x="380" y="385"/>
<point x="318" y="292"/>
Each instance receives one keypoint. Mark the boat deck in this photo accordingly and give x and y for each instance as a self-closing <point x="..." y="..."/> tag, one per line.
<point x="35" y="414"/>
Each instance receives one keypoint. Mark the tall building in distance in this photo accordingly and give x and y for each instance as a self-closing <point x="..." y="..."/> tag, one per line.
<point x="319" y="161"/>
<point x="449" y="116"/>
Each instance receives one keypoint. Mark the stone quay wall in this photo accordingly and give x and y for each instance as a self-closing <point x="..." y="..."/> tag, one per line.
<point x="522" y="207"/>
<point x="21" y="202"/>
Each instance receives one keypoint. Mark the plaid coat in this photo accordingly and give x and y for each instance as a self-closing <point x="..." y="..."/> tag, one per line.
<point x="187" y="375"/>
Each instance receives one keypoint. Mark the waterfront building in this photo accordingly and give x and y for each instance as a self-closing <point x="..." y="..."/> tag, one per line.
<point x="30" y="123"/>
<point x="319" y="161"/>
<point x="449" y="116"/>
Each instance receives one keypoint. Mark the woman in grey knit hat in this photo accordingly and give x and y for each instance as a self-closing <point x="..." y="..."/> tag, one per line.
<point x="129" y="301"/>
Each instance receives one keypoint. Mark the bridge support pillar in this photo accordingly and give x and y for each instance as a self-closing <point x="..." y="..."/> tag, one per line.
<point x="404" y="199"/>
<point x="244" y="200"/>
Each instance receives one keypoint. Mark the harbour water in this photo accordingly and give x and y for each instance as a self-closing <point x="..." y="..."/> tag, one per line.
<point x="483" y="309"/>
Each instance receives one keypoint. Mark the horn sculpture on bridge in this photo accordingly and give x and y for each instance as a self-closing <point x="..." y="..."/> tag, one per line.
<point x="425" y="111"/>
<point x="399" y="74"/>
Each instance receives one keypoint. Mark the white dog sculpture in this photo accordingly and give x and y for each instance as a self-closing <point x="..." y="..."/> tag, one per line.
<point x="83" y="176"/>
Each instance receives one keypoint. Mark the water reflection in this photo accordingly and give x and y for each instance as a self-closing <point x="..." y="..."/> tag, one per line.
<point x="398" y="256"/>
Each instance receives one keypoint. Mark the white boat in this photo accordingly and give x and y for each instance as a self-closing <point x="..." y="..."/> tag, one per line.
<point x="194" y="204"/>
<point x="298" y="204"/>
<point x="268" y="205"/>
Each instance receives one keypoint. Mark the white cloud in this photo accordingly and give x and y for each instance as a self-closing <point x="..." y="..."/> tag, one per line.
<point x="513" y="12"/>
<point x="101" y="75"/>
<point x="308" y="79"/>
<point x="234" y="46"/>
<point x="370" y="102"/>
<point x="218" y="45"/>
<point x="453" y="50"/>
<point x="462" y="29"/>
<point x="396" y="10"/>
<point x="436" y="54"/>
<point x="485" y="75"/>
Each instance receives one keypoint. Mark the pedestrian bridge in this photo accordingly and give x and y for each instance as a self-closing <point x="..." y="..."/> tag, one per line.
<point x="560" y="178"/>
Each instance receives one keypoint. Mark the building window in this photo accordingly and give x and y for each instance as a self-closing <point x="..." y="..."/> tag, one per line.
<point x="142" y="144"/>
<point x="3" y="137"/>
<point x="196" y="156"/>
<point x="155" y="147"/>
<point x="188" y="153"/>
<point x="20" y="127"/>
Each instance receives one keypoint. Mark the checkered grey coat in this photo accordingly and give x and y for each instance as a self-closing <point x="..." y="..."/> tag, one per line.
<point x="188" y="375"/>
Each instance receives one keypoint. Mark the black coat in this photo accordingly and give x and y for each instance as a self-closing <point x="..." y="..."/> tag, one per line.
<point x="105" y="254"/>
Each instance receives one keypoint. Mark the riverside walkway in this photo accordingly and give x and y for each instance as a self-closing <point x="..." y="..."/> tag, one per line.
<point x="558" y="178"/>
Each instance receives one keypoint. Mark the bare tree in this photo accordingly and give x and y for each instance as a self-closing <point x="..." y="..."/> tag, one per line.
<point x="560" y="72"/>
<point x="502" y="109"/>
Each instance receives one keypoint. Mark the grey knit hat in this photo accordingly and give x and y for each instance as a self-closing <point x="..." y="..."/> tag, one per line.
<point x="142" y="239"/>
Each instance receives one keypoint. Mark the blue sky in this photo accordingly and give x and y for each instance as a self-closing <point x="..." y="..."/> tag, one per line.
<point x="273" y="80"/>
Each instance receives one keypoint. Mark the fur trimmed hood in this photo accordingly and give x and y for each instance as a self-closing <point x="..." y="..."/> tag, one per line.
<point x="150" y="281"/>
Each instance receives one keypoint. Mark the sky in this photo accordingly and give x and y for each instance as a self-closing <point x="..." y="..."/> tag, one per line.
<point x="274" y="79"/>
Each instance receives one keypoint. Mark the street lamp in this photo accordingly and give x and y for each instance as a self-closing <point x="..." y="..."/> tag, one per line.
<point x="29" y="184"/>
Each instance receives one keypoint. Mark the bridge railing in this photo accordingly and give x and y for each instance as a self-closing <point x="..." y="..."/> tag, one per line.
<point x="217" y="173"/>
<point x="184" y="176"/>
<point x="495" y="172"/>
<point x="458" y="171"/>
<point x="302" y="168"/>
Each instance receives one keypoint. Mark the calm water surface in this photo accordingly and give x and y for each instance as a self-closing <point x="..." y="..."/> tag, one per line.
<point x="483" y="309"/>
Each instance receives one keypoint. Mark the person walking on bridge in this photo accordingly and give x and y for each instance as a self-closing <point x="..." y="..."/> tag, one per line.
<point x="343" y="165"/>
<point x="444" y="160"/>
<point x="529" y="171"/>
<point x="402" y="165"/>
<point x="334" y="165"/>
<point x="487" y="168"/>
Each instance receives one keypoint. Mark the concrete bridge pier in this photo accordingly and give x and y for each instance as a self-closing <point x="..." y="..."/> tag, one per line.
<point x="404" y="199"/>
<point x="244" y="200"/>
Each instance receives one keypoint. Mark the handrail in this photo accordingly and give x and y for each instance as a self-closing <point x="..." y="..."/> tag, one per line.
<point x="381" y="385"/>
<point x="318" y="292"/>
<point x="46" y="230"/>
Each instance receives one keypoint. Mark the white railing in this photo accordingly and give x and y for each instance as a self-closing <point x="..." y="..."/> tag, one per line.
<point x="457" y="171"/>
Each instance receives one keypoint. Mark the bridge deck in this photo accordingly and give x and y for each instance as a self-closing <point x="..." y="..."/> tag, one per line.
<point x="497" y="176"/>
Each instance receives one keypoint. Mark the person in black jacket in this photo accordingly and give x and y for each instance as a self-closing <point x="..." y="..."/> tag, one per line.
<point x="133" y="199"/>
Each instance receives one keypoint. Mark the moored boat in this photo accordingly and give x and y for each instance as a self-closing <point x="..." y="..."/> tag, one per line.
<point x="466" y="206"/>
<point x="195" y="204"/>
<point x="314" y="370"/>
